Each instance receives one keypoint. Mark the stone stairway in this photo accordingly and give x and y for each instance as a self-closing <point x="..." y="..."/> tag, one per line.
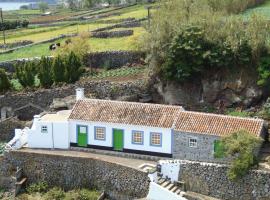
<point x="174" y="187"/>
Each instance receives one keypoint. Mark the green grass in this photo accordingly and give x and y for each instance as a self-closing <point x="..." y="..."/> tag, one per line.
<point x="2" y="146"/>
<point x="263" y="10"/>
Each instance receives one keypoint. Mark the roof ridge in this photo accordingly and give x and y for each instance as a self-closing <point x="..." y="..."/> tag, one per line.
<point x="223" y="115"/>
<point x="131" y="102"/>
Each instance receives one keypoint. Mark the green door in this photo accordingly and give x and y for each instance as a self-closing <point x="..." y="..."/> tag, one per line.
<point x="82" y="136"/>
<point x="118" y="139"/>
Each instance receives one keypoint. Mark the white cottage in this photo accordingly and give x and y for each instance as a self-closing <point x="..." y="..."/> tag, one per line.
<point x="153" y="129"/>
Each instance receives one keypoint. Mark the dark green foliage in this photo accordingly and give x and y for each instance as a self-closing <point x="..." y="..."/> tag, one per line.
<point x="4" y="82"/>
<point x="74" y="68"/>
<point x="191" y="53"/>
<point x="264" y="70"/>
<point x="218" y="149"/>
<point x="58" y="70"/>
<point x="26" y="72"/>
<point x="45" y="72"/>
<point x="8" y="25"/>
<point x="242" y="147"/>
<point x="40" y="187"/>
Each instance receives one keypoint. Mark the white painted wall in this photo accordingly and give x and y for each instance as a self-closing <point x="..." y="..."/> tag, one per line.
<point x="166" y="136"/>
<point x="156" y="192"/>
<point x="170" y="169"/>
<point x="56" y="137"/>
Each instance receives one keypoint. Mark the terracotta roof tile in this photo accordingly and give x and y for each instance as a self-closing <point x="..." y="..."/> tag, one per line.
<point x="144" y="114"/>
<point x="213" y="124"/>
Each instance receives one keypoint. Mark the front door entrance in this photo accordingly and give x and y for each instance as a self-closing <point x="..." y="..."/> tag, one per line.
<point x="118" y="139"/>
<point x="82" y="135"/>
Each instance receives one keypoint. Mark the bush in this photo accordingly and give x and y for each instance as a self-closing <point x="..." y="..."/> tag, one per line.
<point x="83" y="194"/>
<point x="74" y="68"/>
<point x="4" y="81"/>
<point x="58" y="70"/>
<point x="8" y="25"/>
<point x="26" y="72"/>
<point x="242" y="147"/>
<point x="45" y="72"/>
<point x="40" y="187"/>
<point x="55" y="193"/>
<point x="264" y="71"/>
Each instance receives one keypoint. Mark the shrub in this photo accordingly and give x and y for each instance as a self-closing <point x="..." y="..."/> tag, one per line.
<point x="242" y="147"/>
<point x="4" y="81"/>
<point x="264" y="71"/>
<point x="45" y="72"/>
<point x="40" y="187"/>
<point x="26" y="72"/>
<point x="55" y="193"/>
<point x="58" y="70"/>
<point x="85" y="194"/>
<point x="73" y="67"/>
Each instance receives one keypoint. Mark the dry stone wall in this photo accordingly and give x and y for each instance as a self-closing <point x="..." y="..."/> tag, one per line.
<point x="73" y="172"/>
<point x="211" y="179"/>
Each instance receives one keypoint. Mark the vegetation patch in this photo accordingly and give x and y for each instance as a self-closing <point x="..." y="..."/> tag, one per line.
<point x="242" y="147"/>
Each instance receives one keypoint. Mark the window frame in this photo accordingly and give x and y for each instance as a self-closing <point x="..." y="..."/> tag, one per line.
<point x="189" y="142"/>
<point x="155" y="145"/>
<point x="43" y="127"/>
<point x="132" y="137"/>
<point x="95" y="133"/>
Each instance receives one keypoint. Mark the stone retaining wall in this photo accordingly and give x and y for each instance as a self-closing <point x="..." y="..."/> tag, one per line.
<point x="211" y="179"/>
<point x="44" y="97"/>
<point x="112" y="34"/>
<point x="73" y="172"/>
<point x="7" y="127"/>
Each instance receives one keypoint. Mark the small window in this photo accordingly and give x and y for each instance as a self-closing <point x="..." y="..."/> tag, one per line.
<point x="82" y="129"/>
<point x="155" y="139"/>
<point x="44" y="129"/>
<point x="99" y="133"/>
<point x="192" y="142"/>
<point x="137" y="137"/>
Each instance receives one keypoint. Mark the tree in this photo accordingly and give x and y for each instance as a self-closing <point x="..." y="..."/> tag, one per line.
<point x="45" y="72"/>
<point x="4" y="82"/>
<point x="242" y="147"/>
<point x="26" y="72"/>
<point x="43" y="6"/>
<point x="58" y="70"/>
<point x="73" y="67"/>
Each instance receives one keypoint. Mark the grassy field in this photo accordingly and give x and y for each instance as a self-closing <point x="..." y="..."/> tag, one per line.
<point x="263" y="10"/>
<point x="96" y="44"/>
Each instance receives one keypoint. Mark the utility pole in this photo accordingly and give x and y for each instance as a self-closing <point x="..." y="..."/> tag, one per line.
<point x="2" y="20"/>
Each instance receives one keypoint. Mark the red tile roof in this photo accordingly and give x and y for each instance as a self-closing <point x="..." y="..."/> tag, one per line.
<point x="214" y="124"/>
<point x="142" y="114"/>
<point x="163" y="116"/>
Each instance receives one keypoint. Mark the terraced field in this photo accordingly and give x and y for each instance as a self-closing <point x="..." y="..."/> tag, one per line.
<point x="263" y="10"/>
<point x="37" y="33"/>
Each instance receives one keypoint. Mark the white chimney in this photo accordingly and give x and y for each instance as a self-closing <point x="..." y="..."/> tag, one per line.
<point x="36" y="119"/>
<point x="79" y="93"/>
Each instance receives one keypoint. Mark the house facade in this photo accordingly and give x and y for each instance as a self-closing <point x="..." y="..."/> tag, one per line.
<point x="142" y="128"/>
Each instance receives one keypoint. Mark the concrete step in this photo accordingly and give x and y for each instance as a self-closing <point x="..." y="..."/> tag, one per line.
<point x="174" y="188"/>
<point x="178" y="191"/>
<point x="160" y="181"/>
<point x="170" y="186"/>
<point x="165" y="184"/>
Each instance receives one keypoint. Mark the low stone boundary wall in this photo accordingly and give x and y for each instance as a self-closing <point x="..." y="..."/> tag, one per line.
<point x="112" y="34"/>
<point x="211" y="179"/>
<point x="112" y="59"/>
<point x="72" y="172"/>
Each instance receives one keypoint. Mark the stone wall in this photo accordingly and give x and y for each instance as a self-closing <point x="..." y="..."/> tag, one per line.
<point x="43" y="98"/>
<point x="203" y="152"/>
<point x="211" y="179"/>
<point x="112" y="34"/>
<point x="7" y="127"/>
<point x="73" y="172"/>
<point x="113" y="59"/>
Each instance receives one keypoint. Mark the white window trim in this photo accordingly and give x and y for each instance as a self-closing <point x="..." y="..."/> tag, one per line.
<point x="192" y="144"/>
